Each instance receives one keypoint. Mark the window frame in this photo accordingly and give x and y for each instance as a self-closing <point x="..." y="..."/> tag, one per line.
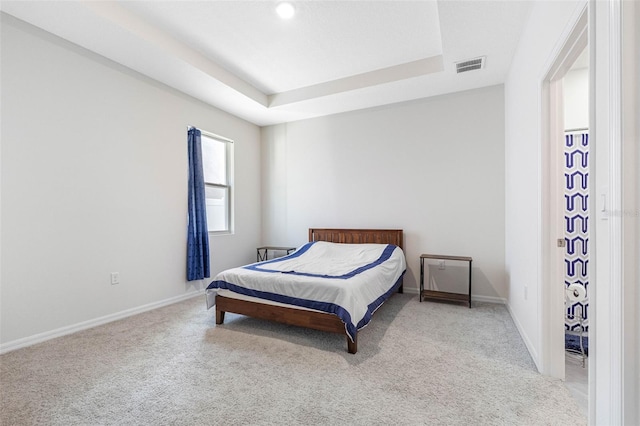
<point x="228" y="144"/>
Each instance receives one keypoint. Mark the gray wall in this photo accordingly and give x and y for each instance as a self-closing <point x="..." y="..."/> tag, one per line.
<point x="433" y="167"/>
<point x="94" y="180"/>
<point x="523" y="185"/>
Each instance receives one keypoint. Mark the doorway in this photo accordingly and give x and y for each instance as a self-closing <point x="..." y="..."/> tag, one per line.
<point x="553" y="309"/>
<point x="575" y="169"/>
<point x="613" y="392"/>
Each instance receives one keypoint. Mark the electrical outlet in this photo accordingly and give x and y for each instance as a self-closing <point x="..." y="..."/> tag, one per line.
<point x="115" y="278"/>
<point x="526" y="292"/>
<point x="441" y="264"/>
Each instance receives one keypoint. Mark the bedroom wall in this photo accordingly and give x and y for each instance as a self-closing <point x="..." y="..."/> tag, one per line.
<point x="433" y="167"/>
<point x="94" y="180"/>
<point x="548" y="24"/>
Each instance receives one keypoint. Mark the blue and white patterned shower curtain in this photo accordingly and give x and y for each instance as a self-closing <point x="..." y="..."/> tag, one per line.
<point x="576" y="171"/>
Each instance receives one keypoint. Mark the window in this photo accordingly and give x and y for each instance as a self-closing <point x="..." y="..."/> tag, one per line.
<point x="216" y="164"/>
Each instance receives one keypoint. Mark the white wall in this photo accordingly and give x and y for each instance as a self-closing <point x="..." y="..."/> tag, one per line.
<point x="576" y="99"/>
<point x="613" y="395"/>
<point x="433" y="167"/>
<point x="549" y="23"/>
<point x="94" y="180"/>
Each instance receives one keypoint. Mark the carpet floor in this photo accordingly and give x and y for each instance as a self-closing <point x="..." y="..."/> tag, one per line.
<point x="417" y="364"/>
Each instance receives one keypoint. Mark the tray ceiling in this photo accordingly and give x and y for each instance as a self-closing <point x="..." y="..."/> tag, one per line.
<point x="332" y="56"/>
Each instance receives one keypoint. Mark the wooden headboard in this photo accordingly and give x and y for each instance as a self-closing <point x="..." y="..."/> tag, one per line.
<point x="357" y="236"/>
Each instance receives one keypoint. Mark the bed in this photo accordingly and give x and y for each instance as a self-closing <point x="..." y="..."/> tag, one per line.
<point x="292" y="290"/>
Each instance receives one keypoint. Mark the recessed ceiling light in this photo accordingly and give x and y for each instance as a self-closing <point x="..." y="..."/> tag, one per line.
<point x="286" y="10"/>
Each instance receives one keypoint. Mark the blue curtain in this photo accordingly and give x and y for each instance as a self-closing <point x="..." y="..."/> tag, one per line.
<point x="197" y="233"/>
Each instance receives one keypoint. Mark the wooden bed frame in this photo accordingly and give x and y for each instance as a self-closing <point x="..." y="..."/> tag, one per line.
<point x="312" y="319"/>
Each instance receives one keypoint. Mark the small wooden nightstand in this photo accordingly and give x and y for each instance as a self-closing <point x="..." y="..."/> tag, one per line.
<point x="443" y="295"/>
<point x="262" y="252"/>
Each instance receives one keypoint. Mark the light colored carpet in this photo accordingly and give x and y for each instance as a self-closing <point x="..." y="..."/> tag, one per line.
<point x="417" y="363"/>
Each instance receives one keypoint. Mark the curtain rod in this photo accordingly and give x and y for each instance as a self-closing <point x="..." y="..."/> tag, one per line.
<point x="212" y="135"/>
<point x="580" y="129"/>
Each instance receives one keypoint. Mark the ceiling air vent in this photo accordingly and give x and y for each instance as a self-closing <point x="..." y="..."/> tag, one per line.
<point x="470" y="65"/>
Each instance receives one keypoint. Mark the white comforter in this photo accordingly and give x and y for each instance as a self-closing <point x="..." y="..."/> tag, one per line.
<point x="348" y="280"/>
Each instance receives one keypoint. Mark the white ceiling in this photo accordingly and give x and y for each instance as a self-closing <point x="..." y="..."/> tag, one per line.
<point x="333" y="56"/>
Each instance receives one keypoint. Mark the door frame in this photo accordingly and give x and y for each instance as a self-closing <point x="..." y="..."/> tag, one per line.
<point x="614" y="369"/>
<point x="614" y="382"/>
<point x="552" y="308"/>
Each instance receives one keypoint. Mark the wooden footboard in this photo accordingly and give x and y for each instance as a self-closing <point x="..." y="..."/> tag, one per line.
<point x="300" y="317"/>
<point x="312" y="319"/>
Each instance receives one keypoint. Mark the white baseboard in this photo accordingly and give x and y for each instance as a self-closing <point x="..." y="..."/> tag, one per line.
<point x="525" y="338"/>
<point x="63" y="331"/>
<point x="474" y="297"/>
